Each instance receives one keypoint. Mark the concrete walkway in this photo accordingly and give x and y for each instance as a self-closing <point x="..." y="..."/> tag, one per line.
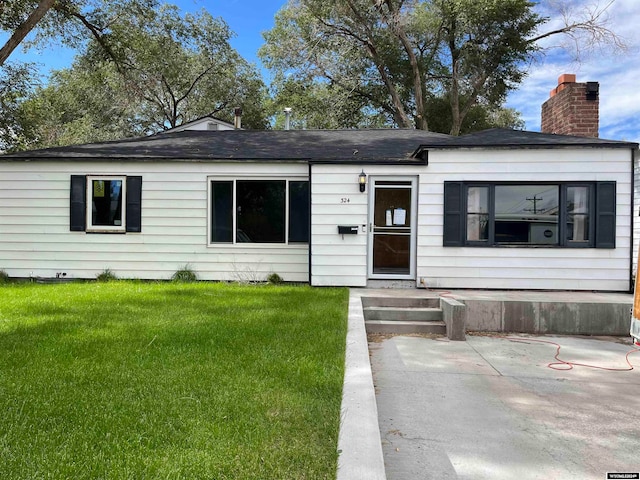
<point x="490" y="408"/>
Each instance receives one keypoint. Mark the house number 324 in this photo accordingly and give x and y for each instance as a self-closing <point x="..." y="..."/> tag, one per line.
<point x="345" y="200"/>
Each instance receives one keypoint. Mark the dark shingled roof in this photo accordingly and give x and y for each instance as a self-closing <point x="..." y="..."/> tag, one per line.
<point x="389" y="146"/>
<point x="507" y="138"/>
<point x="375" y="146"/>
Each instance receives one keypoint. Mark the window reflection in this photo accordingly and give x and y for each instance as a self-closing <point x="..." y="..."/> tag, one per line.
<point x="478" y="213"/>
<point x="578" y="214"/>
<point x="106" y="203"/>
<point x="527" y="214"/>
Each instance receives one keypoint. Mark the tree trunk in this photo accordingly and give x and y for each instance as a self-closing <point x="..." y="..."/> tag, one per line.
<point x="399" y="114"/>
<point x="24" y="29"/>
<point x="456" y="121"/>
<point x="421" y="120"/>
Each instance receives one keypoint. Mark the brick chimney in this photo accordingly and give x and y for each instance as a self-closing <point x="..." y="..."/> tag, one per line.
<point x="573" y="108"/>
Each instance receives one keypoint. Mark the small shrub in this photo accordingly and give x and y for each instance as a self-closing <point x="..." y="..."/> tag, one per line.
<point x="185" y="274"/>
<point x="275" y="279"/>
<point x="106" y="276"/>
<point x="4" y="276"/>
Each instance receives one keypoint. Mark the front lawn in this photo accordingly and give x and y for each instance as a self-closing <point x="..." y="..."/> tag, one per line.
<point x="130" y="380"/>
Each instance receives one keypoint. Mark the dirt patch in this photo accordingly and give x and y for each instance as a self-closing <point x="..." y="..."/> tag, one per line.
<point x="381" y="337"/>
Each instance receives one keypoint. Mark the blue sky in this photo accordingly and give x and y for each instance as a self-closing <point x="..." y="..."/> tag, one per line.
<point x="618" y="73"/>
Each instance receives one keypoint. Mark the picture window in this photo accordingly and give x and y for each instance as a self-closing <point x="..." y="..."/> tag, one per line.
<point x="259" y="211"/>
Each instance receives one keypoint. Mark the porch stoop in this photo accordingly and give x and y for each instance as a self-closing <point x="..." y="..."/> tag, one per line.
<point x="403" y="315"/>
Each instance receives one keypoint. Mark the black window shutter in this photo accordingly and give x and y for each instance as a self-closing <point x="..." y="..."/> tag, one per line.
<point x="453" y="232"/>
<point x="134" y="204"/>
<point x="77" y="210"/>
<point x="606" y="215"/>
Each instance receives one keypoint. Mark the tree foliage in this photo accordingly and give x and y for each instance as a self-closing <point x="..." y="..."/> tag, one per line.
<point x="402" y="59"/>
<point x="79" y="105"/>
<point x="180" y="68"/>
<point x="68" y="22"/>
<point x="150" y="70"/>
<point x="319" y="105"/>
<point x="17" y="82"/>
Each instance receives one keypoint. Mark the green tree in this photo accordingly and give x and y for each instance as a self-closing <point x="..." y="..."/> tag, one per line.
<point x="402" y="57"/>
<point x="319" y="105"/>
<point x="182" y="67"/>
<point x="70" y="22"/>
<point x="159" y="70"/>
<point x="17" y="82"/>
<point x="82" y="104"/>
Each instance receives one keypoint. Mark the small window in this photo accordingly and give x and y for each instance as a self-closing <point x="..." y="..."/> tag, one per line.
<point x="107" y="204"/>
<point x="107" y="200"/>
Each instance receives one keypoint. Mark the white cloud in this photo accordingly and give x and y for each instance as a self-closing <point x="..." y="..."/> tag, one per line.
<point x="617" y="73"/>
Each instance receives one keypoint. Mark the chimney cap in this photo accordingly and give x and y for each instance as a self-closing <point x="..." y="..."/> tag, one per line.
<point x="237" y="120"/>
<point x="593" y="89"/>
<point x="566" y="78"/>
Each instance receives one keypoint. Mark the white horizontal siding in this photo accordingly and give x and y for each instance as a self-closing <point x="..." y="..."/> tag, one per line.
<point x="523" y="268"/>
<point x="338" y="260"/>
<point x="337" y="200"/>
<point x="35" y="237"/>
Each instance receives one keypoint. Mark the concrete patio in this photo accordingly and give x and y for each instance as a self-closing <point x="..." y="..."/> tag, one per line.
<point x="489" y="407"/>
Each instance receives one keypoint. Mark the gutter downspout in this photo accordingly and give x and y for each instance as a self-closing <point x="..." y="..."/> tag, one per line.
<point x="633" y="208"/>
<point x="311" y="223"/>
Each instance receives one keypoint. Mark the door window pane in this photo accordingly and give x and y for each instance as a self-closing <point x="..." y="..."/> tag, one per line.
<point x="260" y="211"/>
<point x="527" y="214"/>
<point x="221" y="212"/>
<point x="391" y="254"/>
<point x="392" y="207"/>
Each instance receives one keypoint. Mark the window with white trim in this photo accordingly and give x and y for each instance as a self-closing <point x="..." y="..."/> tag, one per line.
<point x="105" y="203"/>
<point x="267" y="211"/>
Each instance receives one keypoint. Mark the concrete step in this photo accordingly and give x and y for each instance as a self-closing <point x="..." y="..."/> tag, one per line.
<point x="401" y="301"/>
<point x="384" y="326"/>
<point x="402" y="314"/>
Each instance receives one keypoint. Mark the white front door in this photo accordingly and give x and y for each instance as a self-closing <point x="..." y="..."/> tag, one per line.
<point x="392" y="227"/>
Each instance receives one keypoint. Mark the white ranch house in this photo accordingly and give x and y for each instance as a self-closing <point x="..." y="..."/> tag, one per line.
<point x="498" y="209"/>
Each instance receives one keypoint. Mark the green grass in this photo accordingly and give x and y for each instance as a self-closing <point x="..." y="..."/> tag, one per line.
<point x="127" y="380"/>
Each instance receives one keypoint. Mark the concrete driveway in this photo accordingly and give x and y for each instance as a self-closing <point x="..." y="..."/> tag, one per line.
<point x="490" y="408"/>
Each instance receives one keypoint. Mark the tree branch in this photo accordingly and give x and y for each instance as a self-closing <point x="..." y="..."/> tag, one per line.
<point x="24" y="28"/>
<point x="593" y="25"/>
<point x="399" y="113"/>
<point x="95" y="31"/>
